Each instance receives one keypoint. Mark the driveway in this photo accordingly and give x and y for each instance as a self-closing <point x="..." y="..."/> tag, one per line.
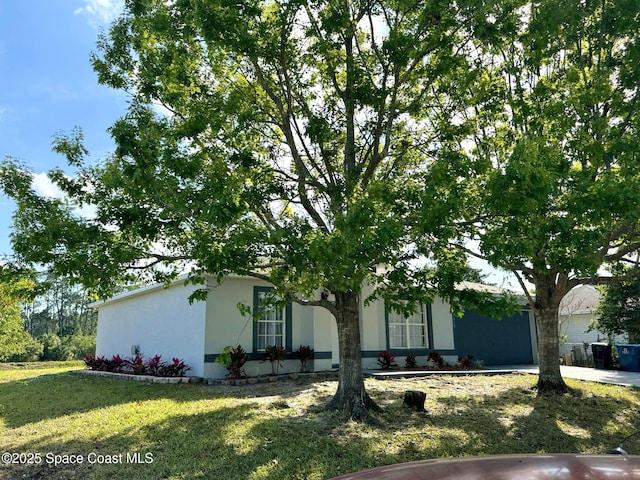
<point x="617" y="377"/>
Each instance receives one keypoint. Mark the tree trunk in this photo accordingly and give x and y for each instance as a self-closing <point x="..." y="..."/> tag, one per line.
<point x="549" y="293"/>
<point x="351" y="397"/>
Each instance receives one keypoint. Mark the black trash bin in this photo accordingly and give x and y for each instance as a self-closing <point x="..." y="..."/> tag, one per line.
<point x="629" y="356"/>
<point x="602" y="355"/>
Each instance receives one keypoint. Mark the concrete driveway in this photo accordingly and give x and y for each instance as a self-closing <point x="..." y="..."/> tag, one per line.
<point x="617" y="377"/>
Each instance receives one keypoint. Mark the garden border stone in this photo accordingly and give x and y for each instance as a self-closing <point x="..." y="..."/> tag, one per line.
<point x="212" y="381"/>
<point x="141" y="378"/>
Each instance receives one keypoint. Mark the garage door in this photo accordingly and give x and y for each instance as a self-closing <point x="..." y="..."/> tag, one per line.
<point x="496" y="342"/>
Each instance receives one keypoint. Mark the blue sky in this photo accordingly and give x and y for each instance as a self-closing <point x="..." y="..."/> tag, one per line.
<point x="47" y="84"/>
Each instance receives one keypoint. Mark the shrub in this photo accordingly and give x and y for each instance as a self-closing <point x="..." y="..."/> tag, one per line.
<point x="154" y="365"/>
<point x="95" y="363"/>
<point x="436" y="359"/>
<point x="274" y="354"/>
<point x="33" y="350"/>
<point x="304" y="353"/>
<point x="117" y="363"/>
<point x="75" y="347"/>
<point x="177" y="368"/>
<point x="90" y="361"/>
<point x="233" y="359"/>
<point x="478" y="363"/>
<point x="51" y="346"/>
<point x="410" y="361"/>
<point x="137" y="364"/>
<point x="386" y="360"/>
<point x="466" y="361"/>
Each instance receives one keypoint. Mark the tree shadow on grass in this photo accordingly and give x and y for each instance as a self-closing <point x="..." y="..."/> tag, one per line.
<point x="516" y="422"/>
<point x="240" y="442"/>
<point x="261" y="441"/>
<point x="266" y="439"/>
<point x="55" y="395"/>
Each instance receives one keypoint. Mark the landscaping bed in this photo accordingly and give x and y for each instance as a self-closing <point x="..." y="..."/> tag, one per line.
<point x="142" y="378"/>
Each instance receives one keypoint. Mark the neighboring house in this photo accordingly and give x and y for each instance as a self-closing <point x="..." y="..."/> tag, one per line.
<point x="159" y="320"/>
<point x="577" y="312"/>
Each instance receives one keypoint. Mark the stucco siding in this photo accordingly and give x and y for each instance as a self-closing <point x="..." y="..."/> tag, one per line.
<point x="225" y="323"/>
<point x="226" y="326"/>
<point x="325" y="334"/>
<point x="373" y="331"/>
<point x="160" y="322"/>
<point x="442" y="319"/>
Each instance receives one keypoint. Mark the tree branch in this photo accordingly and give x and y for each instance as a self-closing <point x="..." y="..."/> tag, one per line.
<point x="530" y="299"/>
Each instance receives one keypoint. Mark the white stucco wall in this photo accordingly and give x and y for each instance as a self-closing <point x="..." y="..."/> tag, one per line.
<point x="443" y="338"/>
<point x="325" y="338"/>
<point x="374" y="331"/>
<point x="225" y="325"/>
<point x="159" y="320"/>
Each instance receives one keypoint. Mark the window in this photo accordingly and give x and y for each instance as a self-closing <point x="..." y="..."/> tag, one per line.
<point x="407" y="332"/>
<point x="272" y="325"/>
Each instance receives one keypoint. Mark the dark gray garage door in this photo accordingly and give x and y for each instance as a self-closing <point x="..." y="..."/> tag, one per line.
<point x="496" y="342"/>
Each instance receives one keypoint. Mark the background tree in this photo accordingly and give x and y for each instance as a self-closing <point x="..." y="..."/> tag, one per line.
<point x="556" y="123"/>
<point x="280" y="140"/>
<point x="13" y="290"/>
<point x="59" y="307"/>
<point x="618" y="312"/>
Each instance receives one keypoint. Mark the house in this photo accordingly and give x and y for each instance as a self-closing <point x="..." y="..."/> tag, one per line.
<point x="577" y="312"/>
<point x="160" y="320"/>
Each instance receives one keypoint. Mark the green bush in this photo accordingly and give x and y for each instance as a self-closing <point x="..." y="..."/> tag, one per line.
<point x="75" y="347"/>
<point x="33" y="350"/>
<point x="51" y="345"/>
<point x="72" y="347"/>
<point x="233" y="359"/>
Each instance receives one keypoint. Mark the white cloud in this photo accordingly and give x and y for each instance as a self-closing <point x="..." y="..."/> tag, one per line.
<point x="43" y="186"/>
<point x="101" y="12"/>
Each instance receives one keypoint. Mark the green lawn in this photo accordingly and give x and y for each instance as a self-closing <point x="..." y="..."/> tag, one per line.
<point x="280" y="431"/>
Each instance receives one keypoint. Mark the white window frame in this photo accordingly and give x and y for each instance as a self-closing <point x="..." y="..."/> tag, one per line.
<point x="271" y="328"/>
<point x="402" y="330"/>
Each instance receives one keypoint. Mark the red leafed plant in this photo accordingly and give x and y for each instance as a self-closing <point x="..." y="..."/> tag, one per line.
<point x="386" y="360"/>
<point x="117" y="363"/>
<point x="90" y="361"/>
<point x="466" y="361"/>
<point x="154" y="365"/>
<point x="177" y="368"/>
<point x="137" y="364"/>
<point x="436" y="358"/>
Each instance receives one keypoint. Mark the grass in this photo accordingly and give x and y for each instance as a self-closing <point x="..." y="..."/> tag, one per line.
<point x="280" y="430"/>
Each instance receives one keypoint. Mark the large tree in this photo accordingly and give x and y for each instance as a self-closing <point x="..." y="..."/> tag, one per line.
<point x="283" y="140"/>
<point x="557" y="123"/>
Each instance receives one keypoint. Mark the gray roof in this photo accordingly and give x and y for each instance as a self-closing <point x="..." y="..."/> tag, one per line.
<point x="581" y="299"/>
